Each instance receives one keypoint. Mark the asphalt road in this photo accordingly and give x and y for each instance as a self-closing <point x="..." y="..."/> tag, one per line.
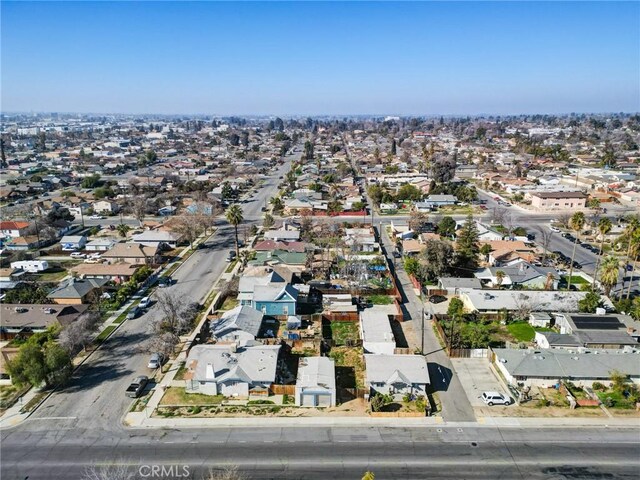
<point x="95" y="397"/>
<point x="320" y="453"/>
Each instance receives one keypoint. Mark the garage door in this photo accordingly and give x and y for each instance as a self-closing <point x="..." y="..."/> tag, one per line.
<point x="309" y="400"/>
<point x="324" y="400"/>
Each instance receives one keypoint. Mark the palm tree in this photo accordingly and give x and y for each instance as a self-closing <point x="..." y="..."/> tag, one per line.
<point x="235" y="217"/>
<point x="610" y="274"/>
<point x="277" y="204"/>
<point x="632" y="235"/>
<point x="123" y="229"/>
<point x="499" y="277"/>
<point x="633" y="253"/>
<point x="577" y="224"/>
<point x="604" y="227"/>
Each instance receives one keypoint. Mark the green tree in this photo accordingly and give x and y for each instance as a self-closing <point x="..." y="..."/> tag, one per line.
<point x="610" y="274"/>
<point x="123" y="229"/>
<point x="437" y="259"/>
<point x="604" y="227"/>
<point x="447" y="227"/>
<point x="92" y="181"/>
<point x="268" y="221"/>
<point x="234" y="216"/>
<point x="308" y="150"/>
<point x="277" y="204"/>
<point x="41" y="360"/>
<point x="409" y="192"/>
<point x="456" y="308"/>
<point x="485" y="251"/>
<point x="393" y="147"/>
<point x="376" y="192"/>
<point x="412" y="266"/>
<point x="467" y="246"/>
<point x="576" y="223"/>
<point x="590" y="303"/>
<point x="500" y="277"/>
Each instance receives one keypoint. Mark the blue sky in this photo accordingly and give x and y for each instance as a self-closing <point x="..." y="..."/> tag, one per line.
<point x="320" y="58"/>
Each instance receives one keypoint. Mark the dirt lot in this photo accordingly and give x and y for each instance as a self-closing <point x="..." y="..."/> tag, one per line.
<point x="353" y="408"/>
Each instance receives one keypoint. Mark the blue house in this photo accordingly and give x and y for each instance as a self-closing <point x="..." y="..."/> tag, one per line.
<point x="275" y="300"/>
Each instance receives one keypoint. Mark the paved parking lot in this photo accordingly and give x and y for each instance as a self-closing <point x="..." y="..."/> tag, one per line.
<point x="476" y="377"/>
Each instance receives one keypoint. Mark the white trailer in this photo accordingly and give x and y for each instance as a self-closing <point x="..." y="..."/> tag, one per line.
<point x="31" y="266"/>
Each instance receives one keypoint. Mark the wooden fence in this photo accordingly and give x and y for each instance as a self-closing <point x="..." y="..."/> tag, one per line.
<point x="341" y="316"/>
<point x="468" y="352"/>
<point x="397" y="414"/>
<point x="282" y="389"/>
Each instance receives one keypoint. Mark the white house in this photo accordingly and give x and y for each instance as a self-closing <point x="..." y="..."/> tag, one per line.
<point x="105" y="206"/>
<point x="100" y="244"/>
<point x="73" y="242"/>
<point x="241" y="325"/>
<point x="316" y="382"/>
<point x="375" y="331"/>
<point x="152" y="238"/>
<point x="230" y="370"/>
<point x="396" y="374"/>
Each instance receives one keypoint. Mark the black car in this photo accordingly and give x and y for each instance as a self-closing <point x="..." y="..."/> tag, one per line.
<point x="577" y="265"/>
<point x="437" y="298"/>
<point x="397" y="254"/>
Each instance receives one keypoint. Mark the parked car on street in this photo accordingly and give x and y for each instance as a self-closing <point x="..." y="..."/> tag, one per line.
<point x="231" y="256"/>
<point x="77" y="255"/>
<point x="145" y="302"/>
<point x="155" y="361"/>
<point x="133" y="313"/>
<point x="495" y="398"/>
<point x="137" y="386"/>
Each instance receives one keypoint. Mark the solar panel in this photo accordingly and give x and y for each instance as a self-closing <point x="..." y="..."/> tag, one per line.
<point x="598" y="323"/>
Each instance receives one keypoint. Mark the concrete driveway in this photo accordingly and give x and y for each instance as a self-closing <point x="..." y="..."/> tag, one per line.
<point x="476" y="377"/>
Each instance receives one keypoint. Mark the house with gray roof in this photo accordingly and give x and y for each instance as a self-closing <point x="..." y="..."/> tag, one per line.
<point x="275" y="300"/>
<point x="76" y="291"/>
<point x="316" y="382"/>
<point x="583" y="367"/>
<point x="520" y="273"/>
<point x="241" y="325"/>
<point x="453" y="284"/>
<point x="231" y="370"/>
<point x="493" y="301"/>
<point x="396" y="375"/>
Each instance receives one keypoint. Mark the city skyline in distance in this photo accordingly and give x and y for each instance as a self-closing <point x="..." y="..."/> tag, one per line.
<point x="321" y="59"/>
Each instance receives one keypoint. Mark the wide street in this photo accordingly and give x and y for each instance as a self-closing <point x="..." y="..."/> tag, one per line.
<point x="454" y="452"/>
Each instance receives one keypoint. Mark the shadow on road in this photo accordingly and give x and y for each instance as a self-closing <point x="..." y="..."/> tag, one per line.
<point x="440" y="377"/>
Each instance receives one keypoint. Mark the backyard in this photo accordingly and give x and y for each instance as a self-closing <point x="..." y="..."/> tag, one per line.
<point x="344" y="333"/>
<point x="349" y="366"/>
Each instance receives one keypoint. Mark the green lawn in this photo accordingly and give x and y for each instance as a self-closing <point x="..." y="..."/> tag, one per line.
<point x="619" y="400"/>
<point x="576" y="280"/>
<point x="380" y="299"/>
<point x="105" y="333"/>
<point x="343" y="331"/>
<point x="230" y="267"/>
<point x="521" y="331"/>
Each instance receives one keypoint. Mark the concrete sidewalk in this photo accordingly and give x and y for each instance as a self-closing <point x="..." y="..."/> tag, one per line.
<point x="144" y="420"/>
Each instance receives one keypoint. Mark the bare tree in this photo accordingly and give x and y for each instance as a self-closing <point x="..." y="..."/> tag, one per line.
<point x="187" y="226"/>
<point x="139" y="208"/>
<point x="177" y="318"/>
<point x="498" y="215"/>
<point x="545" y="240"/>
<point x="81" y="332"/>
<point x="524" y="306"/>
